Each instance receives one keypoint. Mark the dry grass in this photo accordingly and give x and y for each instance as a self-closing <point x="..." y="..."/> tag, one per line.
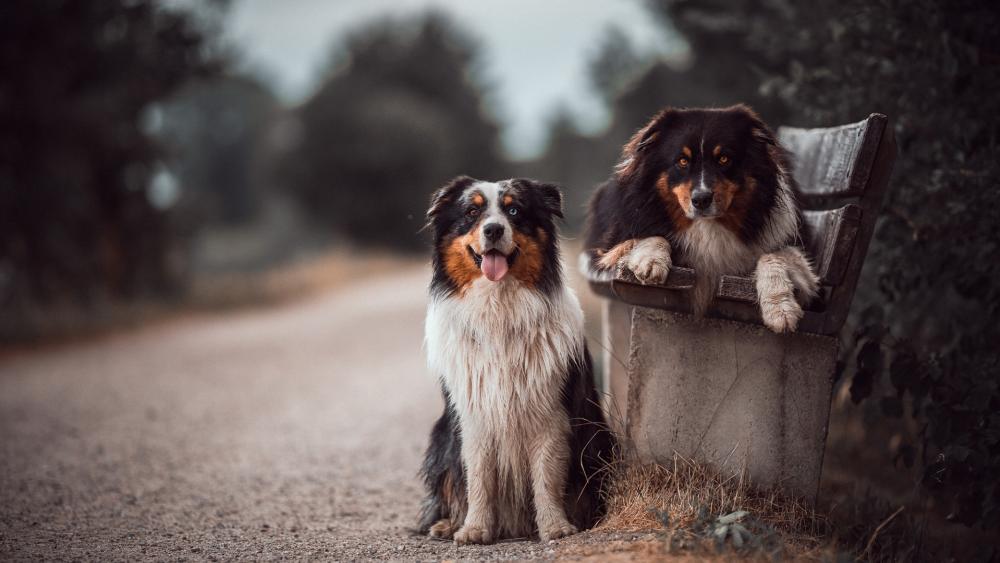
<point x="684" y="500"/>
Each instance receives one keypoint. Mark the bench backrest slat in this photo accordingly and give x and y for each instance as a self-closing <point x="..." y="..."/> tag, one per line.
<point x="834" y="161"/>
<point x="830" y="235"/>
<point x="834" y="166"/>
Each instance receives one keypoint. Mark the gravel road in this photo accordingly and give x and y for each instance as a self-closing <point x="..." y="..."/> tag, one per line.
<point x="289" y="432"/>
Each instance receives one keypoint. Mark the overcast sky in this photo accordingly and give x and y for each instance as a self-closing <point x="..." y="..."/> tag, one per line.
<point x="534" y="52"/>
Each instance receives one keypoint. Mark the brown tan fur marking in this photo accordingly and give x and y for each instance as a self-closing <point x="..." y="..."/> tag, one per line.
<point x="527" y="266"/>
<point x="460" y="266"/>
<point x="678" y="201"/>
<point x="609" y="259"/>
<point x="734" y="203"/>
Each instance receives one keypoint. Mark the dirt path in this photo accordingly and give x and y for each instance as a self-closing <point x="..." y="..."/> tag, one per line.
<point x="292" y="432"/>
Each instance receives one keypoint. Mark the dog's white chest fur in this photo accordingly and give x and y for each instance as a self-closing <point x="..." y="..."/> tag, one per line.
<point x="501" y="348"/>
<point x="712" y="250"/>
<point x="711" y="247"/>
<point x="502" y="353"/>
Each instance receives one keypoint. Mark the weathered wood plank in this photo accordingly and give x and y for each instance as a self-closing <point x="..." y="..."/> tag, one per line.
<point x="833" y="161"/>
<point x="737" y="288"/>
<point x="830" y="238"/>
<point x="840" y="298"/>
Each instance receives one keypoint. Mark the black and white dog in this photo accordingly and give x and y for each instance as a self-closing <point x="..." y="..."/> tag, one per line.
<point x="522" y="445"/>
<point x="710" y="189"/>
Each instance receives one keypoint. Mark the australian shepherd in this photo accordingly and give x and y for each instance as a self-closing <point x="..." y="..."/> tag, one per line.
<point x="522" y="444"/>
<point x="709" y="189"/>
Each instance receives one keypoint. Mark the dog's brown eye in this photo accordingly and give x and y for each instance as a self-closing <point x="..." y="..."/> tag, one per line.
<point x="682" y="162"/>
<point x="472" y="212"/>
<point x="723" y="160"/>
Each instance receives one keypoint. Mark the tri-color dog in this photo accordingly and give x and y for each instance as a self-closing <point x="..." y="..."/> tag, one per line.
<point x="710" y="189"/>
<point x="522" y="444"/>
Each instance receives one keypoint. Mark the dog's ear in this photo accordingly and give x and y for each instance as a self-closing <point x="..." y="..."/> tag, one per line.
<point x="638" y="146"/>
<point x="447" y="194"/>
<point x="759" y="130"/>
<point x="549" y="195"/>
<point x="764" y="138"/>
<point x="552" y="198"/>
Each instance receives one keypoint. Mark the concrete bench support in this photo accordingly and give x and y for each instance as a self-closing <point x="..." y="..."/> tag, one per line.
<point x="729" y="393"/>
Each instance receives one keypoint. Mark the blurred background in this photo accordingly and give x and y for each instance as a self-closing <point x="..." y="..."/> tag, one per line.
<point x="179" y="155"/>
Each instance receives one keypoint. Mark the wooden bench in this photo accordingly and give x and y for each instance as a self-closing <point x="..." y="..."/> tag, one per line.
<point x="724" y="389"/>
<point x="843" y="173"/>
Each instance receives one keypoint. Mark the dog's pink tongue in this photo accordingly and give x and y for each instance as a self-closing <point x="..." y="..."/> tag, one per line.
<point x="494" y="266"/>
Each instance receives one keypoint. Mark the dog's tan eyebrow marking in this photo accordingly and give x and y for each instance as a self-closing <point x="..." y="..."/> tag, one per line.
<point x="716" y="150"/>
<point x="478" y="199"/>
<point x="687" y="151"/>
<point x="508" y="199"/>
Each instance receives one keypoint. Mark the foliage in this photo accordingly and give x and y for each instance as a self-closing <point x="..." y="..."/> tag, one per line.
<point x="739" y="529"/>
<point x="400" y="114"/>
<point x="927" y="305"/>
<point x="615" y="65"/>
<point x="76" y="219"/>
<point x="217" y="132"/>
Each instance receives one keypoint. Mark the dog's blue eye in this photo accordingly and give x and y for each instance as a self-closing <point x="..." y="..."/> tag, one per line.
<point x="512" y="211"/>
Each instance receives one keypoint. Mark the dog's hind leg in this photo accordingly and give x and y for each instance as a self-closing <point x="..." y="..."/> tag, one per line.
<point x="443" y="528"/>
<point x="444" y="507"/>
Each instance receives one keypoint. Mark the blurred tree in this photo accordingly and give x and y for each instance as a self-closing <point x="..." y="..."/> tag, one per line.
<point x="929" y="297"/>
<point x="76" y="217"/>
<point x="734" y="46"/>
<point x="575" y="161"/>
<point x="216" y="133"/>
<point x="615" y="65"/>
<point x="401" y="113"/>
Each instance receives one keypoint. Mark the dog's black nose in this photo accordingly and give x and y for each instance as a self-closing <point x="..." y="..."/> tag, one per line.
<point x="493" y="232"/>
<point x="701" y="200"/>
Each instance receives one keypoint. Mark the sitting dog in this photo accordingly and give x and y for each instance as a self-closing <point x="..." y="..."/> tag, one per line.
<point x="522" y="444"/>
<point x="709" y="189"/>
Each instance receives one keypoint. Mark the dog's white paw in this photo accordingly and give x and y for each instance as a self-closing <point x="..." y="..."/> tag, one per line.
<point x="556" y="530"/>
<point x="472" y="533"/>
<point x="442" y="529"/>
<point x="781" y="312"/>
<point x="649" y="260"/>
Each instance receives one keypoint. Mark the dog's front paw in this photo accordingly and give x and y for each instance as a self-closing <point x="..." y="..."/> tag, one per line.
<point x="472" y="533"/>
<point x="780" y="313"/>
<point x="649" y="260"/>
<point x="556" y="530"/>
<point x="442" y="529"/>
